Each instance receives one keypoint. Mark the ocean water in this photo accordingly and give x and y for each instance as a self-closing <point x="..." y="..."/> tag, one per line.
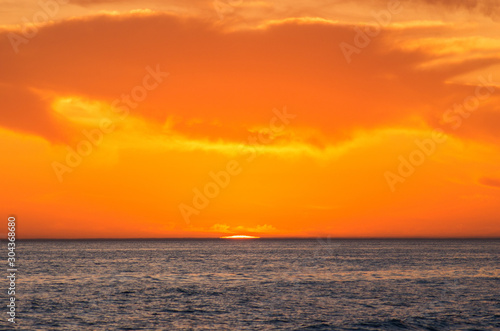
<point x="317" y="284"/>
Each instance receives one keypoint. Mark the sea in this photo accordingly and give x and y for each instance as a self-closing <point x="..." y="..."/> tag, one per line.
<point x="257" y="284"/>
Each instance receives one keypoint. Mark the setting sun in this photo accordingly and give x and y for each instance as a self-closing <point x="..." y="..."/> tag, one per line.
<point x="239" y="236"/>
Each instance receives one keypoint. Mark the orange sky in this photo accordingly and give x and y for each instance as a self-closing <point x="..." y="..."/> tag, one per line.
<point x="266" y="118"/>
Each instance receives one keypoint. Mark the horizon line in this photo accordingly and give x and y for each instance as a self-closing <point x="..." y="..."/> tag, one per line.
<point x="271" y="238"/>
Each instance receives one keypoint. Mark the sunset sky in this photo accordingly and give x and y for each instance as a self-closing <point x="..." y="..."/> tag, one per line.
<point x="341" y="118"/>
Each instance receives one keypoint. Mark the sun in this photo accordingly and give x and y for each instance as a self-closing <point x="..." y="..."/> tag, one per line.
<point x="240" y="236"/>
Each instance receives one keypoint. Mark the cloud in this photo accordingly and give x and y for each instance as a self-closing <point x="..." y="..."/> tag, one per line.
<point x="25" y="111"/>
<point x="488" y="181"/>
<point x="229" y="80"/>
<point x="259" y="229"/>
<point x="224" y="228"/>
<point x="486" y="7"/>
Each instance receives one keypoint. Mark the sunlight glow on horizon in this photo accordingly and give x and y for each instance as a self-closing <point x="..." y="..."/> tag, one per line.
<point x="239" y="236"/>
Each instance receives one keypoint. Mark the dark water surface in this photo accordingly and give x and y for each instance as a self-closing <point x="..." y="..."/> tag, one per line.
<point x="258" y="285"/>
